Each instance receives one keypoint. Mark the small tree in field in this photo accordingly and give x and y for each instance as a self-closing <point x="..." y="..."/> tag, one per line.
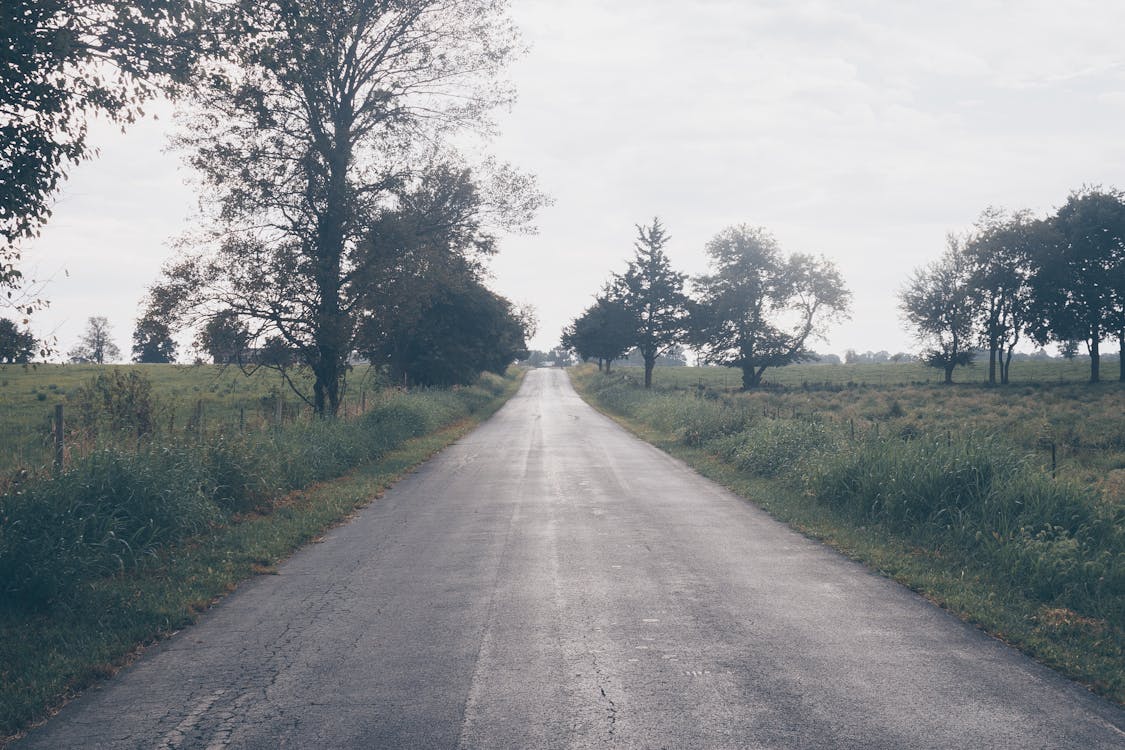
<point x="759" y="309"/>
<point x="653" y="294"/>
<point x="224" y="337"/>
<point x="95" y="345"/>
<point x="152" y="342"/>
<point x="939" y="305"/>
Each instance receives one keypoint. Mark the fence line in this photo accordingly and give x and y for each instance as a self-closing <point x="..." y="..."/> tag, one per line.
<point x="60" y="436"/>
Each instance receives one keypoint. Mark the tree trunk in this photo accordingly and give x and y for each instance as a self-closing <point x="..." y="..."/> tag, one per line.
<point x="1095" y="357"/>
<point x="650" y="363"/>
<point x="993" y="350"/>
<point x="751" y="377"/>
<point x="1006" y="365"/>
<point x="608" y="362"/>
<point x="1121" y="355"/>
<point x="949" y="373"/>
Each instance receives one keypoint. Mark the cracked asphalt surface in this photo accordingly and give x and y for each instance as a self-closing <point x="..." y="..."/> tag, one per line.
<point x="551" y="581"/>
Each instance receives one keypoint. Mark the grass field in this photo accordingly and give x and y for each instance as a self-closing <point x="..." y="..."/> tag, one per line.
<point x="948" y="489"/>
<point x="1047" y="404"/>
<point x="889" y="373"/>
<point x="228" y="400"/>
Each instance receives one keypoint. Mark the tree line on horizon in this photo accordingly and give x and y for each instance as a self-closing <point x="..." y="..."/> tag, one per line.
<point x="757" y="309"/>
<point x="1059" y="278"/>
<point x="1054" y="279"/>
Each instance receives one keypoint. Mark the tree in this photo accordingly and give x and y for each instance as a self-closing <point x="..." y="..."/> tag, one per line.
<point x="16" y="347"/>
<point x="1077" y="282"/>
<point x="605" y="332"/>
<point x="758" y="309"/>
<point x="423" y="258"/>
<point x="95" y="345"/>
<point x="461" y="330"/>
<point x="327" y="115"/>
<point x="152" y="342"/>
<point x="224" y="337"/>
<point x="1000" y="254"/>
<point x="62" y="62"/>
<point x="275" y="353"/>
<point x="653" y="294"/>
<point x="939" y="304"/>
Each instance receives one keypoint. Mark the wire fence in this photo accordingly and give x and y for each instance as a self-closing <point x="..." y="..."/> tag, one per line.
<point x="31" y="443"/>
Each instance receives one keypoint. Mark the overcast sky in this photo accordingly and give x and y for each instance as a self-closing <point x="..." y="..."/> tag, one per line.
<point x="860" y="130"/>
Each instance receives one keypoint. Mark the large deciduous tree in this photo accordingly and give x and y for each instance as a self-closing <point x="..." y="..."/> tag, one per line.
<point x="311" y="132"/>
<point x="422" y="302"/>
<point x="1078" y="279"/>
<point x="62" y="62"/>
<point x="653" y="294"/>
<point x="758" y="309"/>
<point x="1000" y="253"/>
<point x="941" y="307"/>
<point x="460" y="329"/>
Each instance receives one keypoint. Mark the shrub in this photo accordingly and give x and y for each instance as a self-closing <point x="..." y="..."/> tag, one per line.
<point x="118" y="401"/>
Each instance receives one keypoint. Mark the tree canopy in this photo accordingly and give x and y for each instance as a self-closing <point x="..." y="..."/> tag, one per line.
<point x="1000" y="253"/>
<point x="605" y="331"/>
<point x="459" y="330"/>
<point x="152" y="342"/>
<point x="1079" y="276"/>
<point x="16" y="346"/>
<point x="758" y="309"/>
<point x="62" y="62"/>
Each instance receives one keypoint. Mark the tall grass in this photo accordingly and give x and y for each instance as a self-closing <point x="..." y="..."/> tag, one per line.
<point x="114" y="507"/>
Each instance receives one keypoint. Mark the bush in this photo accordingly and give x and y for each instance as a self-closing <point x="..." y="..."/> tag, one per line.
<point x="117" y="401"/>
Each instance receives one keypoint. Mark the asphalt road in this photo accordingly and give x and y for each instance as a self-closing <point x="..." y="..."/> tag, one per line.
<point x="550" y="581"/>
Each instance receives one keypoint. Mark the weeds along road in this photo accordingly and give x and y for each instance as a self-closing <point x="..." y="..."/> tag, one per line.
<point x="550" y="581"/>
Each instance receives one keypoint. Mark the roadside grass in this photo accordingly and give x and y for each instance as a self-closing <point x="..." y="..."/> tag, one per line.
<point x="1083" y="423"/>
<point x="964" y="518"/>
<point x="51" y="650"/>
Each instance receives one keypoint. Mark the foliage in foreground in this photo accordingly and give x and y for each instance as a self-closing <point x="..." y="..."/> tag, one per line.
<point x="972" y="502"/>
<point x="111" y="510"/>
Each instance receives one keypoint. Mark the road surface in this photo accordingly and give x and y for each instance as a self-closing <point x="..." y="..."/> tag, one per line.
<point x="550" y="581"/>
